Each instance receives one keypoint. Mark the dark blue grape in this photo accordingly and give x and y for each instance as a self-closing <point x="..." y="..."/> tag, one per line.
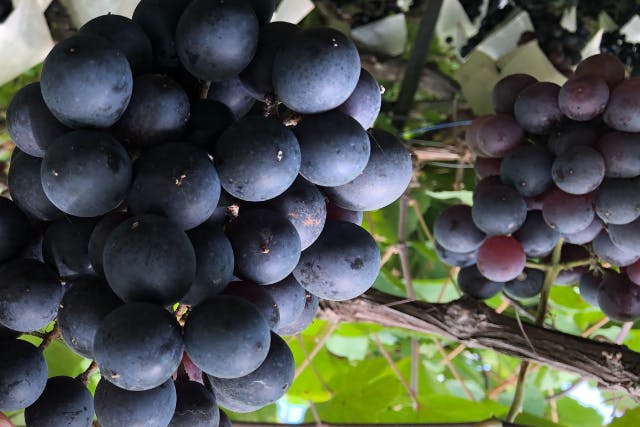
<point x="474" y="284"/>
<point x="456" y="259"/>
<point x="626" y="236"/>
<point x="259" y="297"/>
<point x="99" y="236"/>
<point x="506" y="91"/>
<point x="138" y="346"/>
<point x="365" y="101"/>
<point x="208" y="119"/>
<point x="578" y="170"/>
<point x="455" y="231"/>
<point x="65" y="402"/>
<point x="619" y="297"/>
<point x="301" y="322"/>
<point x="536" y="237"/>
<point x="226" y="337"/>
<point x="23" y="374"/>
<point x="536" y="108"/>
<point x="527" y="169"/>
<point x="202" y="27"/>
<point x="568" y="213"/>
<point x="617" y="200"/>
<point x="195" y="407"/>
<point x="234" y="95"/>
<point x="316" y="70"/>
<point x="86" y="82"/>
<point x="587" y="235"/>
<point x="65" y="246"/>
<point x="623" y="110"/>
<point x="289" y="297"/>
<point x="14" y="230"/>
<point x="621" y="154"/>
<point x="606" y="250"/>
<point x="526" y="285"/>
<point x="498" y="210"/>
<point x="570" y="134"/>
<point x="588" y="286"/>
<point x="583" y="98"/>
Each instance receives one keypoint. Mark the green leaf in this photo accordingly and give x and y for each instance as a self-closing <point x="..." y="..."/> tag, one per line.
<point x="631" y="418"/>
<point x="353" y="348"/>
<point x="572" y="413"/>
<point x="463" y="196"/>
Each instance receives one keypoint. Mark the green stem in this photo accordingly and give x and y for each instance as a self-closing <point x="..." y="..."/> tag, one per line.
<point x="552" y="271"/>
<point x="536" y="266"/>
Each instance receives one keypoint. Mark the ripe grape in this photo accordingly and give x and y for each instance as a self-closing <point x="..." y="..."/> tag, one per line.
<point x="259" y="297"/>
<point x="162" y="252"/>
<point x="473" y="283"/>
<point x="207" y="120"/>
<point x="316" y="60"/>
<point x="498" y="209"/>
<point x="569" y="134"/>
<point x="587" y="235"/>
<point x="289" y="297"/>
<point x="65" y="401"/>
<point x="86" y="82"/>
<point x="99" y="236"/>
<point x="485" y="166"/>
<point x="536" y="108"/>
<point x="301" y="322"/>
<point x="528" y="169"/>
<point x="30" y="124"/>
<point x="621" y="154"/>
<point x="14" y="230"/>
<point x="336" y="213"/>
<point x="195" y="406"/>
<point x="365" y="101"/>
<point x="506" y="91"/>
<point x="455" y="259"/>
<point x="623" y="111"/>
<point x="234" y="95"/>
<point x="65" y="246"/>
<point x="626" y="236"/>
<point x="203" y="25"/>
<point x="455" y="230"/>
<point x="342" y="264"/>
<point x="619" y="297"/>
<point x="498" y="135"/>
<point x="605" y="249"/>
<point x="578" y="170"/>
<point x="536" y="237"/>
<point x="588" y="286"/>
<point x="226" y="337"/>
<point x="138" y="346"/>
<point x="23" y="374"/>
<point x="568" y="213"/>
<point x="616" y="201"/>
<point x="528" y="284"/>
<point x="603" y="65"/>
<point x="583" y="98"/>
<point x="116" y="407"/>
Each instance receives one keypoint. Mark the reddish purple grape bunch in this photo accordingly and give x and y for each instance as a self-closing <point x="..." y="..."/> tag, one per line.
<point x="558" y="169"/>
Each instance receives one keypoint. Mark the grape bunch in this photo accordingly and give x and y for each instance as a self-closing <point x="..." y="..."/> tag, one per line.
<point x="186" y="186"/>
<point x="558" y="196"/>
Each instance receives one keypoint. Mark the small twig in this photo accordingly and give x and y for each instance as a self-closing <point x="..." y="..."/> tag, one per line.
<point x="323" y="383"/>
<point x="536" y="266"/>
<point x="316" y="349"/>
<point x="595" y="327"/>
<point x="91" y="369"/>
<point x="454" y="371"/>
<point x="422" y="224"/>
<point x="204" y="89"/>
<point x="553" y="397"/>
<point x="524" y="334"/>
<point x="624" y="331"/>
<point x="316" y="415"/>
<point x="554" y="407"/>
<point x="455" y="352"/>
<point x="520" y="308"/>
<point x="386" y="256"/>
<point x="518" y="398"/>
<point x="50" y="337"/>
<point x="395" y="369"/>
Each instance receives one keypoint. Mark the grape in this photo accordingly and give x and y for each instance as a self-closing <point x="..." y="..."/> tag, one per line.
<point x="256" y="77"/>
<point x="86" y="82"/>
<point x="588" y="286"/>
<point x="257" y="159"/>
<point x="336" y="213"/>
<point x="486" y="183"/>
<point x="527" y="169"/>
<point x="261" y="387"/>
<point x="30" y="124"/>
<point x="125" y="35"/>
<point x="214" y="263"/>
<point x="158" y="112"/>
<point x="316" y="61"/>
<point x="224" y="420"/>
<point x="14" y="230"/>
<point x="605" y="249"/>
<point x="501" y="258"/>
<point x="289" y="297"/>
<point x="473" y="283"/>
<point x="498" y="209"/>
<point x="471" y="135"/>
<point x="195" y="406"/>
<point x="84" y="305"/>
<point x="208" y="119"/>
<point x="202" y="27"/>
<point x="506" y="91"/>
<point x="382" y="181"/>
<point x="455" y="231"/>
<point x="578" y="170"/>
<point x="116" y="407"/>
<point x="302" y="321"/>
<point x="485" y="166"/>
<point x="304" y="205"/>
<point x="569" y="134"/>
<point x="265" y="244"/>
<point x="29" y="295"/>
<point x="99" y="236"/>
<point x="587" y="235"/>
<point x="536" y="237"/>
<point x="334" y="148"/>
<point x="626" y="236"/>
<point x="365" y="101"/>
<point x="25" y="186"/>
<point x="65" y="246"/>
<point x="616" y="201"/>
<point x="603" y="65"/>
<point x="163" y="258"/>
<point x="226" y="336"/>
<point x="455" y="259"/>
<point x="619" y="297"/>
<point x="536" y="108"/>
<point x="175" y="180"/>
<point x="498" y="135"/>
<point x="568" y="213"/>
<point x="68" y="185"/>
<point x="583" y="98"/>
<point x="621" y="154"/>
<point x="256" y="295"/>
<point x="623" y="111"/>
<point x="263" y="9"/>
<point x="7" y="334"/>
<point x="342" y="264"/>
<point x="138" y="346"/>
<point x="234" y="95"/>
<point x="64" y="402"/>
<point x="158" y="19"/>
<point x="23" y="374"/>
<point x="526" y="285"/>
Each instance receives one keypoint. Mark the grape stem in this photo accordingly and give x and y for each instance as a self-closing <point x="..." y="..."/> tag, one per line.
<point x="552" y="271"/>
<point x="561" y="266"/>
<point x="91" y="369"/>
<point x="49" y="337"/>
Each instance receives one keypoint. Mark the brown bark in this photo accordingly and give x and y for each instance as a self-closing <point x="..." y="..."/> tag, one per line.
<point x="478" y="326"/>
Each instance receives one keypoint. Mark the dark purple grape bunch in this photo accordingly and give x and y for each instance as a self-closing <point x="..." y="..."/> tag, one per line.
<point x="179" y="233"/>
<point x="559" y="174"/>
